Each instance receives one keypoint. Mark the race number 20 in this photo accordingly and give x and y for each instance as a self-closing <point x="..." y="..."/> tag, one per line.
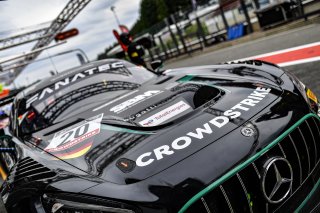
<point x="75" y="134"/>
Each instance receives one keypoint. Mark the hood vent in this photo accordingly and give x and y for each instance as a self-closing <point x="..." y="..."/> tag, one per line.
<point x="28" y="170"/>
<point x="206" y="94"/>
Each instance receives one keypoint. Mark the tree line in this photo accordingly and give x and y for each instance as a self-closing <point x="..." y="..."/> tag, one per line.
<point x="154" y="11"/>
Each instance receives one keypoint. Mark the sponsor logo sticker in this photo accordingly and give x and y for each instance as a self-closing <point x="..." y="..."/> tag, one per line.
<point x="133" y="101"/>
<point x="105" y="68"/>
<point x="165" y="114"/>
<point x="204" y="130"/>
<point x="76" y="140"/>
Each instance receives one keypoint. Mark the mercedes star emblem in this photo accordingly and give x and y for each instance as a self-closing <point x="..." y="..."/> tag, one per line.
<point x="276" y="179"/>
<point x="247" y="131"/>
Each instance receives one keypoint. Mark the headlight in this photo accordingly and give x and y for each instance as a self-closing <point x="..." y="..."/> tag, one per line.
<point x="308" y="95"/>
<point x="81" y="204"/>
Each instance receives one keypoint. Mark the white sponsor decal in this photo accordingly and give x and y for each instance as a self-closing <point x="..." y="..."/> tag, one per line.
<point x="75" y="134"/>
<point x="165" y="114"/>
<point x="114" y="100"/>
<point x="133" y="101"/>
<point x="202" y="132"/>
<point x="64" y="83"/>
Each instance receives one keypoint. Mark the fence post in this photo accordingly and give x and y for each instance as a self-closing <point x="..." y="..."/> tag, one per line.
<point x="151" y="55"/>
<point x="245" y="11"/>
<point x="164" y="49"/>
<point x="179" y="33"/>
<point x="257" y="4"/>
<point x="172" y="35"/>
<point x="301" y="10"/>
<point x="224" y="18"/>
<point x="201" y="31"/>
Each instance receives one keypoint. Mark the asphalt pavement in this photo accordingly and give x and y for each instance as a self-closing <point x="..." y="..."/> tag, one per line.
<point x="309" y="73"/>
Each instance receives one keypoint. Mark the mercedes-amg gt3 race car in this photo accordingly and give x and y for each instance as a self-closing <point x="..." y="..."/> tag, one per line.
<point x="114" y="137"/>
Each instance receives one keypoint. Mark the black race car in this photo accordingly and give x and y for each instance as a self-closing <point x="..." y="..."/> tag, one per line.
<point x="114" y="137"/>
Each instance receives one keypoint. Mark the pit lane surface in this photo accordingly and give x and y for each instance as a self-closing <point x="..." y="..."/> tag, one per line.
<point x="305" y="40"/>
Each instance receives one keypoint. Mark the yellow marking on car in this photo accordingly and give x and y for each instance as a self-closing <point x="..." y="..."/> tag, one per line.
<point x="3" y="173"/>
<point x="312" y="96"/>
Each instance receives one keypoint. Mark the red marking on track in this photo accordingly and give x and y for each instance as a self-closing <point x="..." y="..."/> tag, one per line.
<point x="294" y="55"/>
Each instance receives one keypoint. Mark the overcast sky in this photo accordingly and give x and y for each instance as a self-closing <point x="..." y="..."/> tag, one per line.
<point x="95" y="23"/>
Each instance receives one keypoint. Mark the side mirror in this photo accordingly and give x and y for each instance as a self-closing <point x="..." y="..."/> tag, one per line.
<point x="156" y="65"/>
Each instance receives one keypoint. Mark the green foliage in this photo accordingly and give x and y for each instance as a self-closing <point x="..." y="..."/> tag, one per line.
<point x="162" y="10"/>
<point x="101" y="56"/>
<point x="137" y="27"/>
<point x="151" y="12"/>
<point x="193" y="29"/>
<point x="182" y="5"/>
<point x="170" y="44"/>
<point x="176" y="5"/>
<point x="155" y="11"/>
<point x="148" y="12"/>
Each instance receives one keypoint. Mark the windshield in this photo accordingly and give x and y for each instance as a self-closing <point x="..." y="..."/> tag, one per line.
<point x="46" y="67"/>
<point x="75" y="91"/>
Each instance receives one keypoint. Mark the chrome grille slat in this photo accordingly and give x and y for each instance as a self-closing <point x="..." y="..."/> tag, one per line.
<point x="205" y="205"/>
<point x="256" y="169"/>
<point x="303" y="182"/>
<point x="315" y="209"/>
<point x="245" y="191"/>
<point x="298" y="157"/>
<point x="227" y="199"/>
<point x="306" y="145"/>
<point x="300" y="147"/>
<point x="280" y="147"/>
<point x="315" y="123"/>
<point x="314" y="143"/>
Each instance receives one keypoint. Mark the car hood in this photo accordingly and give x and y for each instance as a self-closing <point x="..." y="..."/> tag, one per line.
<point x="150" y="129"/>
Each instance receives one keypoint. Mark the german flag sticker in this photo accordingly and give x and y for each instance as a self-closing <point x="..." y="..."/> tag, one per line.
<point x="76" y="152"/>
<point x="312" y="96"/>
<point x="75" y="140"/>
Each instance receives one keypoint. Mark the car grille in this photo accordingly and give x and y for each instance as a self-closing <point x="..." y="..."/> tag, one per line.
<point x="242" y="192"/>
<point x="27" y="171"/>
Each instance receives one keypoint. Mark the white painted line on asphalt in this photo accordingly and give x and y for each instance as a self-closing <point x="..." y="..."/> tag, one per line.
<point x="279" y="51"/>
<point x="285" y="51"/>
<point x="308" y="60"/>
